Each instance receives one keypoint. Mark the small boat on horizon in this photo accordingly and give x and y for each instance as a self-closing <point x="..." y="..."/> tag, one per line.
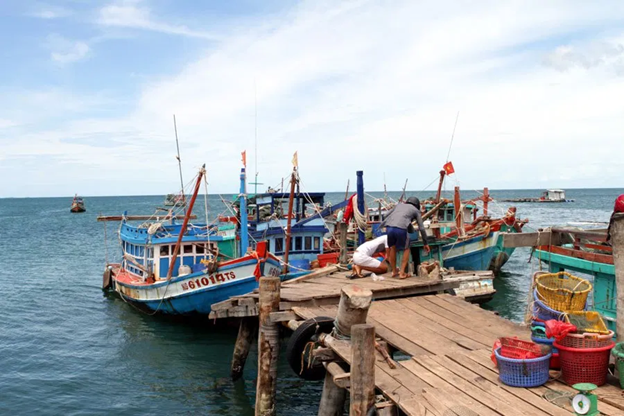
<point x="77" y="205"/>
<point x="175" y="200"/>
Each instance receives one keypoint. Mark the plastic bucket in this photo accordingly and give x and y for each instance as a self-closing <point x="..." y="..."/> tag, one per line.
<point x="299" y="265"/>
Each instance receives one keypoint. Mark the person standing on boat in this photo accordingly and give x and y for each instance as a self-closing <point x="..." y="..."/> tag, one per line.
<point x="364" y="256"/>
<point x="397" y="222"/>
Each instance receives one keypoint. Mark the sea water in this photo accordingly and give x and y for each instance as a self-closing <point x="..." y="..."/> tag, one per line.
<point x="66" y="348"/>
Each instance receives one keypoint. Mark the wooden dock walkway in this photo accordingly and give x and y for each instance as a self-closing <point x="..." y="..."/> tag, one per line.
<point x="445" y="369"/>
<point x="323" y="287"/>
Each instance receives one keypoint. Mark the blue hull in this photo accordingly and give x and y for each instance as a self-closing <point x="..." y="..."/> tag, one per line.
<point x="473" y="254"/>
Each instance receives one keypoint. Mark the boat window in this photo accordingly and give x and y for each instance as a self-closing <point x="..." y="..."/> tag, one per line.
<point x="150" y="253"/>
<point x="317" y="243"/>
<point x="164" y="251"/>
<point x="188" y="248"/>
<point x="298" y="243"/>
<point x="279" y="245"/>
<point x="200" y="249"/>
<point x="449" y="215"/>
<point x="308" y="243"/>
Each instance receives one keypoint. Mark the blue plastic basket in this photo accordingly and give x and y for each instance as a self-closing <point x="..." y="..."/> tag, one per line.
<point x="543" y="312"/>
<point x="545" y="341"/>
<point x="523" y="373"/>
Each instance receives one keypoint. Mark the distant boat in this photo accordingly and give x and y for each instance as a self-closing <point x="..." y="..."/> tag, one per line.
<point x="175" y="200"/>
<point x="550" y="195"/>
<point x="77" y="205"/>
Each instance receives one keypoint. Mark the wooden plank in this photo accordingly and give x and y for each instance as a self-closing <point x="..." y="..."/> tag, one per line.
<point x="584" y="255"/>
<point x="489" y="326"/>
<point x="593" y="235"/>
<point x="545" y="237"/>
<point x="486" y="374"/>
<point x="413" y="328"/>
<point x="459" y="397"/>
<point x="315" y="274"/>
<point x="141" y="217"/>
<point x="470" y="333"/>
<point x="283" y="316"/>
<point x="494" y="389"/>
<point x="606" y="406"/>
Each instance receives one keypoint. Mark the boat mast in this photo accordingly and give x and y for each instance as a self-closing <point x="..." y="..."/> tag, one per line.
<point x="175" y="128"/>
<point x="293" y="181"/>
<point x="459" y="218"/>
<point x="176" y="250"/>
<point x="244" y="232"/>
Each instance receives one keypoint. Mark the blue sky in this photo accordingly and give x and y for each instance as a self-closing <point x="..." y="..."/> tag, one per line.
<point x="88" y="90"/>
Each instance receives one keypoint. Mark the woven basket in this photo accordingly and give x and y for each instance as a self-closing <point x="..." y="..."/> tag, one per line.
<point x="563" y="291"/>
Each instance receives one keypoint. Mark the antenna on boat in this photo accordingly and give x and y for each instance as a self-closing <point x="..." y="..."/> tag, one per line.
<point x="452" y="137"/>
<point x="385" y="189"/>
<point x="255" y="183"/>
<point x="175" y="128"/>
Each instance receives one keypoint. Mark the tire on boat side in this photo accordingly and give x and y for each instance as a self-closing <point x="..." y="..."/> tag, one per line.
<point x="308" y="331"/>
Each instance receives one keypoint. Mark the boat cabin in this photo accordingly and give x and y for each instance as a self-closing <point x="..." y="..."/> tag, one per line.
<point x="554" y="195"/>
<point x="267" y="216"/>
<point x="147" y="250"/>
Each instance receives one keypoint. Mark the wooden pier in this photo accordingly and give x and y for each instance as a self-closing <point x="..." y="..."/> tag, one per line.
<point x="443" y="346"/>
<point x="322" y="287"/>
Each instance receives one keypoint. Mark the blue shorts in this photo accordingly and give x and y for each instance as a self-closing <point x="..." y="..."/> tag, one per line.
<point x="397" y="237"/>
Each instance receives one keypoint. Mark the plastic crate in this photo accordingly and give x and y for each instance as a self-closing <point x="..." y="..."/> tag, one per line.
<point x="587" y="321"/>
<point x="584" y="365"/>
<point x="519" y="349"/>
<point x="618" y="353"/>
<point x="563" y="291"/>
<point x="523" y="373"/>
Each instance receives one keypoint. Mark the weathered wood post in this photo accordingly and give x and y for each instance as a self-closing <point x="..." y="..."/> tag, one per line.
<point x="617" y="240"/>
<point x="268" y="346"/>
<point x="342" y="228"/>
<point x="247" y="331"/>
<point x="362" y="395"/>
<point x="333" y="397"/>
<point x="352" y="310"/>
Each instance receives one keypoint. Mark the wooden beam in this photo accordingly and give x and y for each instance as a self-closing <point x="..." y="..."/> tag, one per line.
<point x="246" y="334"/>
<point x="617" y="232"/>
<point x="542" y="238"/>
<point x="284" y="316"/>
<point x="102" y="218"/>
<point x="333" y="396"/>
<point x="585" y="255"/>
<point x="362" y="369"/>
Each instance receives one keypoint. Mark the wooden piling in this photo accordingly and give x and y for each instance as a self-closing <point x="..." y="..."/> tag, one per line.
<point x="247" y="331"/>
<point x="333" y="397"/>
<point x="353" y="308"/>
<point x="362" y="378"/>
<point x="342" y="228"/>
<point x="268" y="346"/>
<point x="617" y="241"/>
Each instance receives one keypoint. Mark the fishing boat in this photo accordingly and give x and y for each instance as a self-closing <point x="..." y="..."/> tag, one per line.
<point x="175" y="200"/>
<point x="77" y="205"/>
<point x="181" y="269"/>
<point x="548" y="196"/>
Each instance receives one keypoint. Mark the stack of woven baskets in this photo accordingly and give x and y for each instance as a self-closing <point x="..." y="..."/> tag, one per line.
<point x="583" y="355"/>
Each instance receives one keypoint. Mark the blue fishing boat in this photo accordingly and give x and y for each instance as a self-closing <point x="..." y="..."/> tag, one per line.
<point x="179" y="269"/>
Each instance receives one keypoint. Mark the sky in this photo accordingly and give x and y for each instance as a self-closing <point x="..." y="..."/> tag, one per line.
<point x="88" y="90"/>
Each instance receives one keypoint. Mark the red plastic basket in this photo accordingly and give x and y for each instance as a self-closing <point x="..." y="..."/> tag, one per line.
<point x="519" y="349"/>
<point x="584" y="365"/>
<point x="587" y="340"/>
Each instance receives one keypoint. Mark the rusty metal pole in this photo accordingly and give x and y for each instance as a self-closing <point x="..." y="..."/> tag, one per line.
<point x="268" y="346"/>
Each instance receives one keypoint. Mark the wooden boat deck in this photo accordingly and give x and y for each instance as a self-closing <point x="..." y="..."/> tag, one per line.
<point x="446" y="368"/>
<point x="323" y="288"/>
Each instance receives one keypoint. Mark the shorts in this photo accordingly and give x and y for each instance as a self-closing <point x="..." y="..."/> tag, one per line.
<point x="361" y="259"/>
<point x="397" y="237"/>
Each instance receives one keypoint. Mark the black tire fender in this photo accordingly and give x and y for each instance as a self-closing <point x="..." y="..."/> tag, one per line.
<point x="307" y="332"/>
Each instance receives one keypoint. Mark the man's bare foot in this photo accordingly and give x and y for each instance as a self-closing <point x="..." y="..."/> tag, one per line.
<point x="403" y="275"/>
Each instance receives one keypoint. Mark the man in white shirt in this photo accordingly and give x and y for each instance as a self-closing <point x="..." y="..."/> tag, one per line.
<point x="363" y="257"/>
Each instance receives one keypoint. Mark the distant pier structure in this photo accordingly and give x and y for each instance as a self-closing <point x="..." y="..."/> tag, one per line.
<point x="550" y="195"/>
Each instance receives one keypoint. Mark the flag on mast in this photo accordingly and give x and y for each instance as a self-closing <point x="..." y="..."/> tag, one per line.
<point x="448" y="168"/>
<point x="244" y="155"/>
<point x="295" y="160"/>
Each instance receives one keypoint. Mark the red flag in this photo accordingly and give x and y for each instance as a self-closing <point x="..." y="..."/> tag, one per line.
<point x="244" y="155"/>
<point x="448" y="168"/>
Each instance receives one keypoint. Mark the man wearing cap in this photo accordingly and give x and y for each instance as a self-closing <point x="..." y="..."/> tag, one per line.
<point x="397" y="223"/>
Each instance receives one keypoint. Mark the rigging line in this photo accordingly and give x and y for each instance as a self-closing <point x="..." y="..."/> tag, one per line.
<point x="175" y="128"/>
<point x="452" y="137"/>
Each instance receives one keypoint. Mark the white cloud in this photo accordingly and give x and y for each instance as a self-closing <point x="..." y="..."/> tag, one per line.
<point x="587" y="56"/>
<point x="51" y="12"/>
<point x="65" y="51"/>
<point x="5" y="123"/>
<point x="363" y="85"/>
<point x="128" y="13"/>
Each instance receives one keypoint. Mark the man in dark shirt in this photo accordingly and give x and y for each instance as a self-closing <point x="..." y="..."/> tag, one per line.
<point x="397" y="223"/>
